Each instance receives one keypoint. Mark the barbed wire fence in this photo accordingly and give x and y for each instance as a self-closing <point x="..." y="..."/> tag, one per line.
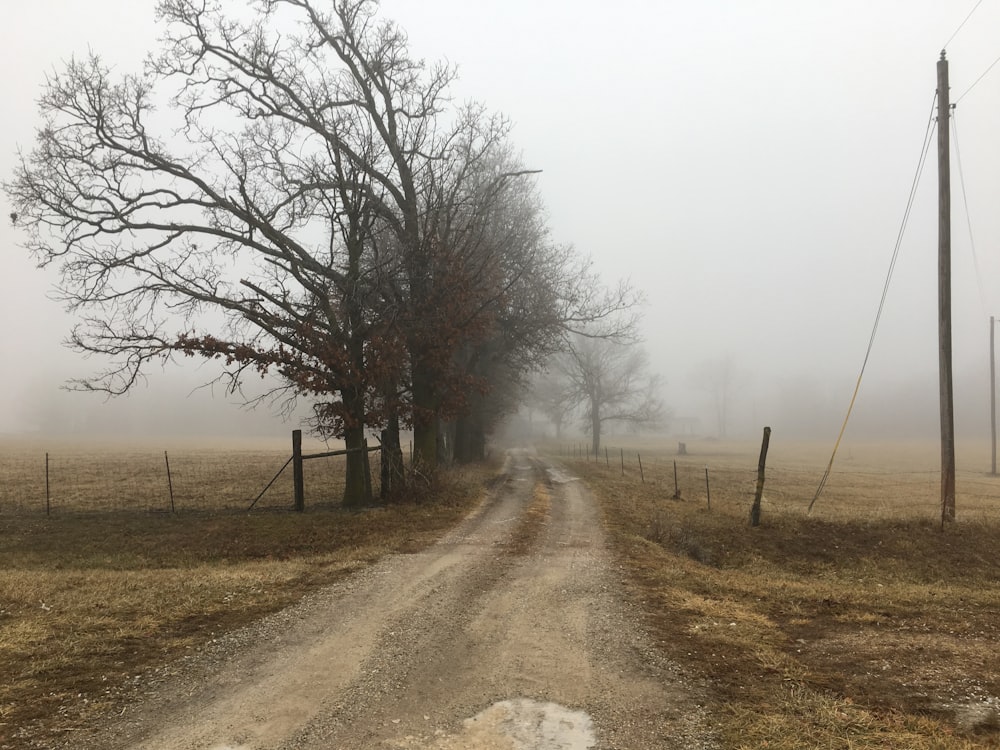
<point x="719" y="480"/>
<point x="79" y="479"/>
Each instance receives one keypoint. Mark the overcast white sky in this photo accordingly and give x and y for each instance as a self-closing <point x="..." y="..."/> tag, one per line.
<point x="746" y="164"/>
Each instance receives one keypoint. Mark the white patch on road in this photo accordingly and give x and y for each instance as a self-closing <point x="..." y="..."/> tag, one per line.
<point x="558" y="476"/>
<point x="519" y="724"/>
<point x="530" y="725"/>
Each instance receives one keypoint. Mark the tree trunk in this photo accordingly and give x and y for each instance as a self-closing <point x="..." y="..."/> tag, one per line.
<point x="463" y="444"/>
<point x="446" y="446"/>
<point x="595" y="424"/>
<point x="470" y="438"/>
<point x="393" y="473"/>
<point x="358" y="480"/>
<point x="425" y="447"/>
<point x="357" y="483"/>
<point x="425" y="422"/>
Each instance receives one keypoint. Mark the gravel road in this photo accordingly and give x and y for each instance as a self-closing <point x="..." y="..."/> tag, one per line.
<point x="481" y="641"/>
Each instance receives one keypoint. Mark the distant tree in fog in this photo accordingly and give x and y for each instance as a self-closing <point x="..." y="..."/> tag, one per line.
<point x="719" y="378"/>
<point x="555" y="397"/>
<point x="611" y="380"/>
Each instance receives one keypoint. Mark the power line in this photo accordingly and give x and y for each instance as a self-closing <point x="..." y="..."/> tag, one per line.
<point x="885" y="291"/>
<point x="981" y="77"/>
<point x="974" y="7"/>
<point x="968" y="216"/>
<point x="992" y="64"/>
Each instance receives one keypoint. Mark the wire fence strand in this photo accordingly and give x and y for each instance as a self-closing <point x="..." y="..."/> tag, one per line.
<point x="860" y="489"/>
<point x="109" y="480"/>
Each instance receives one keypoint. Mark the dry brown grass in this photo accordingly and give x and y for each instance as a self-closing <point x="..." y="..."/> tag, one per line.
<point x="88" y="599"/>
<point x="863" y="626"/>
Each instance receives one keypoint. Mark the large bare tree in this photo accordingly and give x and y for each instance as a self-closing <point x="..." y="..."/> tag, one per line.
<point x="284" y="188"/>
<point x="252" y="194"/>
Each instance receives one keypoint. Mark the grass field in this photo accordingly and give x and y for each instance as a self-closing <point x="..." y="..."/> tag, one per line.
<point x="102" y="590"/>
<point x="864" y="625"/>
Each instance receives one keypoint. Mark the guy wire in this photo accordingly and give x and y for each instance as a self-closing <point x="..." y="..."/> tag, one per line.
<point x="885" y="291"/>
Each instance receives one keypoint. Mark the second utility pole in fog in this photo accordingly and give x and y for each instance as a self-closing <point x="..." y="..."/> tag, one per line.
<point x="944" y="296"/>
<point x="993" y="398"/>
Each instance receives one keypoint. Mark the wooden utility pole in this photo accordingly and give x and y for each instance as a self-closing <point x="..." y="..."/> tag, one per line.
<point x="993" y="397"/>
<point x="944" y="296"/>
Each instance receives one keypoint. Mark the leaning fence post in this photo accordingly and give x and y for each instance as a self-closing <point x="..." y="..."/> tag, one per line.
<point x="300" y="488"/>
<point x="268" y="485"/>
<point x="755" y="509"/>
<point x="623" y="461"/>
<point x="47" y="501"/>
<point x="708" y="492"/>
<point x="641" y="475"/>
<point x="170" y="482"/>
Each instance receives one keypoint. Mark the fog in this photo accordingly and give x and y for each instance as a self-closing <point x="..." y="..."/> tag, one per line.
<point x="747" y="165"/>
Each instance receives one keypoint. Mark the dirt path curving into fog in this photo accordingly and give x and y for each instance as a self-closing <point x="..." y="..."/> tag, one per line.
<point x="509" y="633"/>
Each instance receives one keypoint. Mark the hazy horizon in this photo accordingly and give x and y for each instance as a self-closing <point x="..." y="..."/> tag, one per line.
<point x="745" y="165"/>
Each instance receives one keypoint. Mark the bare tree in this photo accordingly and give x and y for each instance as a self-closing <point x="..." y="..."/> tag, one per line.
<point x="613" y="382"/>
<point x="501" y="285"/>
<point x="258" y="207"/>
<point x="288" y="191"/>
<point x="272" y="200"/>
<point x="719" y="378"/>
<point x="554" y="396"/>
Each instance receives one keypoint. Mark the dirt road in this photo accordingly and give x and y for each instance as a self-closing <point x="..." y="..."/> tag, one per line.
<point x="509" y="633"/>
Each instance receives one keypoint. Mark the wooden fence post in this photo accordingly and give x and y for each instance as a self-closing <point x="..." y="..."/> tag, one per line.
<point x="623" y="461"/>
<point x="677" y="489"/>
<point x="642" y="476"/>
<point x="755" y="509"/>
<point x="607" y="457"/>
<point x="300" y="487"/>
<point x="708" y="491"/>
<point x="48" y="504"/>
<point x="170" y="482"/>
